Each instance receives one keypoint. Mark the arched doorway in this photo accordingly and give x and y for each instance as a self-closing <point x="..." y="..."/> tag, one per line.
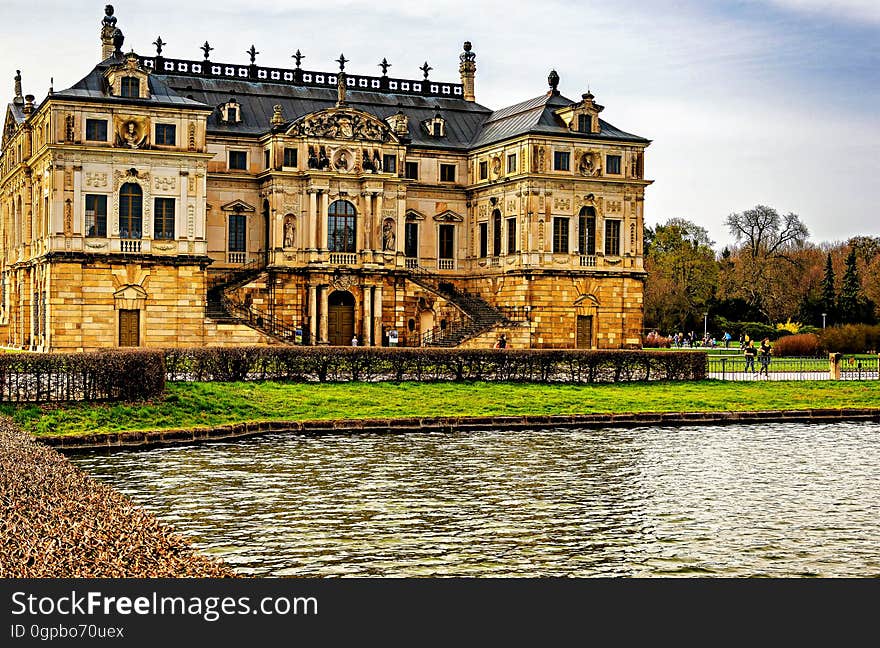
<point x="340" y="327"/>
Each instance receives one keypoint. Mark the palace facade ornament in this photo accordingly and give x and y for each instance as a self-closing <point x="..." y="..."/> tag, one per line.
<point x="342" y="123"/>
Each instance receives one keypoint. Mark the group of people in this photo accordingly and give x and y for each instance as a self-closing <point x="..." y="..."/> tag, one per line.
<point x="762" y="353"/>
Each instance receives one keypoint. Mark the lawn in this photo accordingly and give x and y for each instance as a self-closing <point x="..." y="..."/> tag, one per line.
<point x="189" y="405"/>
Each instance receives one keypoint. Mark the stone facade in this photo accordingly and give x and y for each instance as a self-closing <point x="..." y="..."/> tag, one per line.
<point x="158" y="202"/>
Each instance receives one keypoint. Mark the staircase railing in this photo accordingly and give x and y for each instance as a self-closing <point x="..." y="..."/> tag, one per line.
<point x="259" y="319"/>
<point x="481" y="315"/>
<point x="222" y="280"/>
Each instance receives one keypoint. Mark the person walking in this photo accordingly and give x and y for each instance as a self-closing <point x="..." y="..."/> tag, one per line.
<point x="750" y="353"/>
<point x="726" y="339"/>
<point x="764" y="357"/>
<point x="502" y="342"/>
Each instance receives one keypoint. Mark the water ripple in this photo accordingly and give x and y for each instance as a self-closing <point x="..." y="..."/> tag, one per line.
<point x="782" y="500"/>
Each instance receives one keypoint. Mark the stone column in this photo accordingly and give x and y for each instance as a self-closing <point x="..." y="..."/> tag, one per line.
<point x="377" y="315"/>
<point x="313" y="314"/>
<point x="325" y="219"/>
<point x="364" y="226"/>
<point x="377" y="222"/>
<point x="313" y="219"/>
<point x="325" y="314"/>
<point x="368" y="316"/>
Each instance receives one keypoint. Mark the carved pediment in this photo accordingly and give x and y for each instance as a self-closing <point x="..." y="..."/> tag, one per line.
<point x="342" y="123"/>
<point x="412" y="214"/>
<point x="449" y="216"/>
<point x="130" y="291"/>
<point x="238" y="206"/>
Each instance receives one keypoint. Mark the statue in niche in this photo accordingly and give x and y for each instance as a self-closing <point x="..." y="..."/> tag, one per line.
<point x="368" y="164"/>
<point x="586" y="165"/>
<point x="388" y="235"/>
<point x="313" y="158"/>
<point x="377" y="161"/>
<point x="342" y="162"/>
<point x="289" y="232"/>
<point x="323" y="160"/>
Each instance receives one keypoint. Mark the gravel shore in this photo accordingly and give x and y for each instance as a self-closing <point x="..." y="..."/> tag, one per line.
<point x="57" y="522"/>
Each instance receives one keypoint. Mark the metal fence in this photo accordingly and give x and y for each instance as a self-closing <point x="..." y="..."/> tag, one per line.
<point x="738" y="368"/>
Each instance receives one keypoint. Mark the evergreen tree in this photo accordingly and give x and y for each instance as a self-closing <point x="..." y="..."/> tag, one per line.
<point x="851" y="302"/>
<point x="829" y="294"/>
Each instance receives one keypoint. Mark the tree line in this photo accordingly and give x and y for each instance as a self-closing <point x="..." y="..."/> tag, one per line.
<point x="772" y="274"/>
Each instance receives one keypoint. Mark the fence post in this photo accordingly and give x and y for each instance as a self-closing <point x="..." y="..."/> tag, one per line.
<point x="723" y="368"/>
<point x="834" y="366"/>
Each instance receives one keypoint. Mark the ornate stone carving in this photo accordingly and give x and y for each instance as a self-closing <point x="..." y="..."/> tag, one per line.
<point x="95" y="245"/>
<point x="163" y="247"/>
<point x="511" y="206"/>
<point x="483" y="210"/>
<point x="132" y="132"/>
<point x="342" y="281"/>
<point x="613" y="206"/>
<point x="192" y="138"/>
<point x="68" y="217"/>
<point x="96" y="179"/>
<point x="338" y="123"/>
<point x="165" y="183"/>
<point x="588" y="163"/>
<point x="561" y="204"/>
<point x="190" y="221"/>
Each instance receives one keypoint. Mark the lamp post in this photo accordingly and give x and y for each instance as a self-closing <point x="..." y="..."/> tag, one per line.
<point x="823" y="319"/>
<point x="705" y="325"/>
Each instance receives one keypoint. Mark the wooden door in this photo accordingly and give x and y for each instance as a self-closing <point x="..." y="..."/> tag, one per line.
<point x="584" y="331"/>
<point x="341" y="325"/>
<point x="129" y="328"/>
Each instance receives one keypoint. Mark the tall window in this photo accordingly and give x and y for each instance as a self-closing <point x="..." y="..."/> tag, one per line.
<point x="587" y="231"/>
<point x="237" y="233"/>
<point x="496" y="233"/>
<point x="612" y="163"/>
<point x="163" y="218"/>
<point x="511" y="163"/>
<point x="560" y="235"/>
<point x="612" y="238"/>
<point x="412" y="170"/>
<point x="131" y="208"/>
<point x="511" y="235"/>
<point x="130" y="87"/>
<point x="411" y="245"/>
<point x="166" y="134"/>
<point x="389" y="163"/>
<point x="447" y="173"/>
<point x="290" y="157"/>
<point x="447" y="242"/>
<point x="341" y="227"/>
<point x="96" y="215"/>
<point x="238" y="160"/>
<point x="96" y="130"/>
<point x="561" y="160"/>
<point x="484" y="240"/>
<point x="484" y="170"/>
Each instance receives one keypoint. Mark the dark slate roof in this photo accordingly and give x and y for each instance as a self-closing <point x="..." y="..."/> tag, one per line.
<point x="257" y="99"/>
<point x="93" y="87"/>
<point x="537" y="116"/>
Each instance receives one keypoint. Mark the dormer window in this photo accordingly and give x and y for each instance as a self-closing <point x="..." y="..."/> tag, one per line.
<point x="230" y="112"/>
<point x="584" y="123"/>
<point x="130" y="87"/>
<point x="436" y="126"/>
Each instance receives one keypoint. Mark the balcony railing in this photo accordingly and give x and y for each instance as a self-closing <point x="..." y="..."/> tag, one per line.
<point x="446" y="264"/>
<point x="236" y="257"/>
<point x="343" y="258"/>
<point x="411" y="263"/>
<point x="130" y="245"/>
<point x="588" y="261"/>
<point x="494" y="262"/>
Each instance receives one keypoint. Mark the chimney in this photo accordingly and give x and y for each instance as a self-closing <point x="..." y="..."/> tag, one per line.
<point x="468" y="69"/>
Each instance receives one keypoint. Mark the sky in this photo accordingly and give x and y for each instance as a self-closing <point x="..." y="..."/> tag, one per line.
<point x="771" y="102"/>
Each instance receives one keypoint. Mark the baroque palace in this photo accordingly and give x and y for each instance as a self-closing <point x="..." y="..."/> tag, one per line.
<point x="163" y="202"/>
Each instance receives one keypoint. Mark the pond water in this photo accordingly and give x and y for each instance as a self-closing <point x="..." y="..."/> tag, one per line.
<point x="782" y="500"/>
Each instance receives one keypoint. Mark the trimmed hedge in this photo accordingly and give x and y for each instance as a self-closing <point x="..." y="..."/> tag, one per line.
<point x="800" y="345"/>
<point x="127" y="375"/>
<point x="340" y="364"/>
<point x="851" y="338"/>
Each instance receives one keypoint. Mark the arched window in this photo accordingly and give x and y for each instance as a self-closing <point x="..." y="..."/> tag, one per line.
<point x="341" y="227"/>
<point x="131" y="209"/>
<point x="587" y="231"/>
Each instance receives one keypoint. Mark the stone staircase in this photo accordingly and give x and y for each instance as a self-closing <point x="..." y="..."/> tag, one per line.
<point x="479" y="315"/>
<point x="223" y="309"/>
